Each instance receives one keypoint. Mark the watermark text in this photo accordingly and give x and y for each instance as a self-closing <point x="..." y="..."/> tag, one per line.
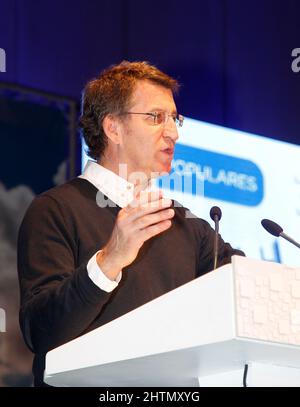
<point x="2" y="60"/>
<point x="296" y="62"/>
<point x="2" y="320"/>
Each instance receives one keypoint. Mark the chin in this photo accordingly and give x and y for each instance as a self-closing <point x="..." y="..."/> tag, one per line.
<point x="163" y="170"/>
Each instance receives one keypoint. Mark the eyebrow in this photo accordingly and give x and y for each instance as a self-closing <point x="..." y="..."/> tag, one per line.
<point x="159" y="109"/>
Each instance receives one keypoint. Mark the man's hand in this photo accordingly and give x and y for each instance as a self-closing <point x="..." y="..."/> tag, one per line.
<point x="146" y="216"/>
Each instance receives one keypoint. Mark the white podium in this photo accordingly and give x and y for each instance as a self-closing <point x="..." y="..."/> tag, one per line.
<point x="200" y="334"/>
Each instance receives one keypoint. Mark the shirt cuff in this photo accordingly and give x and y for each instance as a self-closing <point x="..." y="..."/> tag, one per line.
<point x="99" y="278"/>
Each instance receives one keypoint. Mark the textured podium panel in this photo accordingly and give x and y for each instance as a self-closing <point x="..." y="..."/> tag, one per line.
<point x="267" y="301"/>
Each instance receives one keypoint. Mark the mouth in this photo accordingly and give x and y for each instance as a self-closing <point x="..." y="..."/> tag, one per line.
<point x="169" y="151"/>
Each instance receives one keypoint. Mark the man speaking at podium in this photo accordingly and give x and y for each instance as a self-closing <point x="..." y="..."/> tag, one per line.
<point x="103" y="244"/>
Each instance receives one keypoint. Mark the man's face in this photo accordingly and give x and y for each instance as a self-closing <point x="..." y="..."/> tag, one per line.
<point x="147" y="147"/>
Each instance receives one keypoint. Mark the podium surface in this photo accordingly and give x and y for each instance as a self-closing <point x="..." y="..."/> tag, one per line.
<point x="202" y="333"/>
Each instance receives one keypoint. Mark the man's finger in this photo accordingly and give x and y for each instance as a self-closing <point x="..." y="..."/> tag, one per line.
<point x="139" y="212"/>
<point x="146" y="197"/>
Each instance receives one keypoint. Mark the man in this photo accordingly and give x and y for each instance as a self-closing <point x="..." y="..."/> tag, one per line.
<point x="101" y="245"/>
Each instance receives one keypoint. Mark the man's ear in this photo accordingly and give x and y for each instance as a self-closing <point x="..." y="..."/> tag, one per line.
<point x="111" y="128"/>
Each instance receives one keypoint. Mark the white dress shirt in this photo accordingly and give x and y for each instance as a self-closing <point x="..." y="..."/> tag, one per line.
<point x="118" y="190"/>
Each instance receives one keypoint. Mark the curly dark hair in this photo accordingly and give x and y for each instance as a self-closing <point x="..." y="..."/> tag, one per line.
<point x="111" y="93"/>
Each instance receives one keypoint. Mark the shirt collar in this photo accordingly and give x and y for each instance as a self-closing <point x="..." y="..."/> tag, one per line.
<point x="116" y="188"/>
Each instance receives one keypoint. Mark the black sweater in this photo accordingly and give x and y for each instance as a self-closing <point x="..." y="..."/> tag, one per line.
<point x="61" y="231"/>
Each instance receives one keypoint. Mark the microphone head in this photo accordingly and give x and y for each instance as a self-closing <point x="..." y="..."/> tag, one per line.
<point x="272" y="227"/>
<point x="215" y="211"/>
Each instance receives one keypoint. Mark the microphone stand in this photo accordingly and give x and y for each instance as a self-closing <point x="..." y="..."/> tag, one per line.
<point x="289" y="239"/>
<point x="216" y="241"/>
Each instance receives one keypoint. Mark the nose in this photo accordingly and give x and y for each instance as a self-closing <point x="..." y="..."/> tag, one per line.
<point x="171" y="130"/>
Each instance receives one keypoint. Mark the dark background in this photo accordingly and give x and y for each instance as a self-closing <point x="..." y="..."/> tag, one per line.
<point x="233" y="59"/>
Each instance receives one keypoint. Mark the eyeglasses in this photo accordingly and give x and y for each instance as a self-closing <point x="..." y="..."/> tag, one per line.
<point x="162" y="117"/>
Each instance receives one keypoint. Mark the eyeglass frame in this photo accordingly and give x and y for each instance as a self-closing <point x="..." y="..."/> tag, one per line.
<point x="177" y="118"/>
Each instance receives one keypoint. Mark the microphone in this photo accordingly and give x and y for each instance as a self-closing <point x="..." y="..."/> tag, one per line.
<point x="277" y="230"/>
<point x="216" y="214"/>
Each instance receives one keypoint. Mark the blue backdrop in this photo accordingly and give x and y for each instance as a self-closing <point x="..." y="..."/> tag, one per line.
<point x="232" y="57"/>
